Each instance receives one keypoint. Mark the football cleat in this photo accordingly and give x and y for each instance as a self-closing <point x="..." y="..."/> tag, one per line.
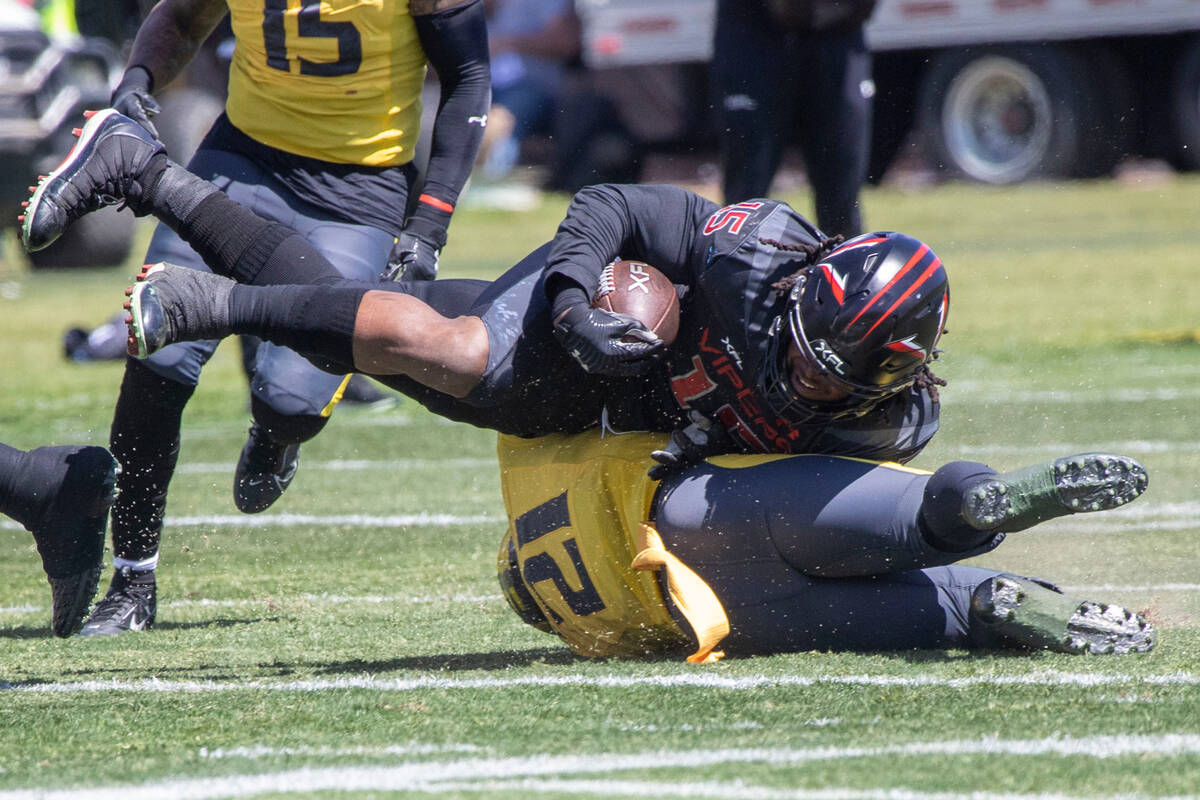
<point x="103" y="168"/>
<point x="70" y="536"/>
<point x="1013" y="501"/>
<point x="130" y="605"/>
<point x="264" y="471"/>
<point x="170" y="304"/>
<point x="1035" y="616"/>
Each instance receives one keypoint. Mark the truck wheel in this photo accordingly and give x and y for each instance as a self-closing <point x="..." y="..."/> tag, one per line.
<point x="1185" y="110"/>
<point x="1005" y="114"/>
<point x="101" y="239"/>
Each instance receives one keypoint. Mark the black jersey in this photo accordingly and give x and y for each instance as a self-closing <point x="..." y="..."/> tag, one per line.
<point x="725" y="261"/>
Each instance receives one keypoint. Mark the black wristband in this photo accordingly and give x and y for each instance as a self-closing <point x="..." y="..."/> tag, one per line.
<point x="567" y="294"/>
<point x="136" y="77"/>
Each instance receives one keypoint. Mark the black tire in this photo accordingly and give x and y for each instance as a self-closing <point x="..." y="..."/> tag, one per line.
<point x="186" y="116"/>
<point x="1006" y="114"/>
<point x="101" y="239"/>
<point x="1184" y="104"/>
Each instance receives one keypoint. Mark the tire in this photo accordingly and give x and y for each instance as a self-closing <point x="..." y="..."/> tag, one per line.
<point x="1006" y="114"/>
<point x="101" y="239"/>
<point x="1184" y="105"/>
<point x="186" y="116"/>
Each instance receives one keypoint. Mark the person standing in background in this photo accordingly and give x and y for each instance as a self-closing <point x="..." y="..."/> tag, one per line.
<point x="795" y="70"/>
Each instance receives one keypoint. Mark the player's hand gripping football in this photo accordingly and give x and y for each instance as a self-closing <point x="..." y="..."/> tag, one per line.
<point x="691" y="445"/>
<point x="133" y="99"/>
<point x="412" y="259"/>
<point x="607" y="343"/>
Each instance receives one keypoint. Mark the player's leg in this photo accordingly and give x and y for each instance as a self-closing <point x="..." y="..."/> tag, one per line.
<point x="750" y="66"/>
<point x="145" y="438"/>
<point x="835" y="128"/>
<point x="291" y="399"/>
<point x="834" y="517"/>
<point x="62" y="495"/>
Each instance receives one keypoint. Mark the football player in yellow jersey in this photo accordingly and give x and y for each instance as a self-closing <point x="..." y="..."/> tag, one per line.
<point x="320" y="127"/>
<point x="747" y="554"/>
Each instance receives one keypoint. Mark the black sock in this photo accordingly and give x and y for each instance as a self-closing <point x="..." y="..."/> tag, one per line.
<point x="312" y="320"/>
<point x="145" y="441"/>
<point x="232" y="239"/>
<point x="940" y="519"/>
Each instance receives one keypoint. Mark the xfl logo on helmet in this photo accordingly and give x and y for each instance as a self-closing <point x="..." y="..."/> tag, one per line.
<point x="831" y="359"/>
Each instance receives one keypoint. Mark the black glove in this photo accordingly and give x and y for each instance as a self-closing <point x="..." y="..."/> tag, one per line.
<point x="607" y="343"/>
<point x="133" y="99"/>
<point x="413" y="258"/>
<point x="690" y="446"/>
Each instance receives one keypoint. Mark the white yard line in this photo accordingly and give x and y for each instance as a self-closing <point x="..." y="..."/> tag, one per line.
<point x="476" y="599"/>
<point x="561" y="773"/>
<point x="693" y="679"/>
<point x="1137" y="517"/>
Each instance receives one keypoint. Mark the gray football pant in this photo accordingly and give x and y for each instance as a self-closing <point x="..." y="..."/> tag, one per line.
<point x="818" y="552"/>
<point x="284" y="380"/>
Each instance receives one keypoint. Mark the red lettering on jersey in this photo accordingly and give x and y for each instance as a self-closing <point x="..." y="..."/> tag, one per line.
<point x="730" y="373"/>
<point x="692" y="385"/>
<point x="733" y="217"/>
<point x="705" y="347"/>
<point x="736" y="427"/>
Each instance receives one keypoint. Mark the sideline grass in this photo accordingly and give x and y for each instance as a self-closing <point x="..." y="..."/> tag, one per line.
<point x="325" y="646"/>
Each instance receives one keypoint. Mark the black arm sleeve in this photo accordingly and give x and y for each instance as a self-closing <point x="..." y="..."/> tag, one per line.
<point x="655" y="224"/>
<point x="455" y="41"/>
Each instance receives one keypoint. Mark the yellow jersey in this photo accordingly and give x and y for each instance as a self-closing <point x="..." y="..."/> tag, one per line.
<point x="339" y="81"/>
<point x="577" y="507"/>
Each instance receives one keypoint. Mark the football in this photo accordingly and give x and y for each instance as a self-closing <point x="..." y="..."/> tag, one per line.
<point x="639" y="290"/>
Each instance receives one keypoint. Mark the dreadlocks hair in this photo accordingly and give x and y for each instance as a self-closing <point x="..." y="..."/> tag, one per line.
<point x="812" y="254"/>
<point x="926" y="380"/>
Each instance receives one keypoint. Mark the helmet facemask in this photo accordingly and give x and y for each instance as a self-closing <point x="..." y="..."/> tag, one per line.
<point x="865" y="319"/>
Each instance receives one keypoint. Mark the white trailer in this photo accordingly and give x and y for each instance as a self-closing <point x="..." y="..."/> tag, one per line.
<point x="992" y="90"/>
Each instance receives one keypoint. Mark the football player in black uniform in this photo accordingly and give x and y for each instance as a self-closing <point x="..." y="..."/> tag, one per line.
<point x="789" y="341"/>
<point x="62" y="496"/>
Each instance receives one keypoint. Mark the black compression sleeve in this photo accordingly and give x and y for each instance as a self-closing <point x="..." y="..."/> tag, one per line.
<point x="455" y="41"/>
<point x="656" y="224"/>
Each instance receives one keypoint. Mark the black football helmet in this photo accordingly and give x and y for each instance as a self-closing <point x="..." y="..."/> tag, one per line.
<point x="867" y="316"/>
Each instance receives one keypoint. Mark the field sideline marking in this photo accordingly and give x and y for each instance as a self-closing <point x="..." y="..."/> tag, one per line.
<point x="474" y="599"/>
<point x="484" y="774"/>
<point x="364" y="464"/>
<point x="694" y="680"/>
<point x="1147" y="516"/>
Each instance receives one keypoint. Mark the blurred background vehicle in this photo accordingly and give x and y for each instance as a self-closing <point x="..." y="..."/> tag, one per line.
<point x="48" y="76"/>
<point x="59" y="58"/>
<point x="987" y="91"/>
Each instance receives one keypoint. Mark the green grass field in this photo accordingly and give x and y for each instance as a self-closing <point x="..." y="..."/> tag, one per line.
<point x="351" y="641"/>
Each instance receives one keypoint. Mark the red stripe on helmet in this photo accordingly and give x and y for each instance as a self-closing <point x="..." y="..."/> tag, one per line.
<point x="932" y="268"/>
<point x="855" y="245"/>
<point x="920" y="254"/>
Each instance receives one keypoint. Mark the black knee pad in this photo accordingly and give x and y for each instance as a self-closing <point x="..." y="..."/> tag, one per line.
<point x="940" y="518"/>
<point x="286" y="428"/>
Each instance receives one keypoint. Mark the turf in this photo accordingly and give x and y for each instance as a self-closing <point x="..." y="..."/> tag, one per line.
<point x="351" y="641"/>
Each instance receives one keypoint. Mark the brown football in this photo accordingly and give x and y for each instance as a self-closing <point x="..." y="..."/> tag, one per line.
<point x="642" y="292"/>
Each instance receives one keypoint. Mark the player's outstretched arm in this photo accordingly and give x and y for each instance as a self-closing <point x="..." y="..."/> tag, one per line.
<point x="453" y="34"/>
